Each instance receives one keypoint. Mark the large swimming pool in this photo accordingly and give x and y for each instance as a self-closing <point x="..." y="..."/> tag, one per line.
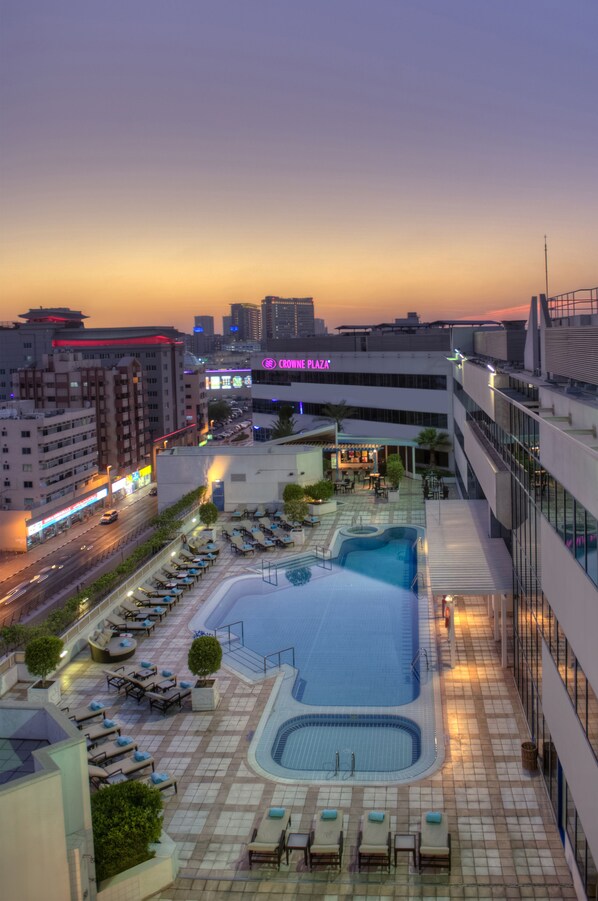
<point x="354" y="627"/>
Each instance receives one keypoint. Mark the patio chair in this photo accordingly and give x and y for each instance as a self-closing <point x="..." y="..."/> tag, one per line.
<point x="268" y="840"/>
<point x="115" y="677"/>
<point x="123" y="745"/>
<point x="237" y="514"/>
<point x="326" y="842"/>
<point x="135" y="688"/>
<point x="83" y="714"/>
<point x="250" y="511"/>
<point x="164" y="700"/>
<point x="259" y="513"/>
<point x="434" y="841"/>
<point x="138" y="761"/>
<point x="373" y="841"/>
<point x="100" y="731"/>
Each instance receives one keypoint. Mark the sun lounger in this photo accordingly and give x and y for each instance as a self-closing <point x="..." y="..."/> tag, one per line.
<point x="116" y="678"/>
<point x="122" y="625"/>
<point x="104" y="753"/>
<point x="130" y="610"/>
<point x="241" y="546"/>
<point x="237" y="514"/>
<point x="161" y="781"/>
<point x="153" y="591"/>
<point x="167" y="601"/>
<point x="373" y="841"/>
<point x="434" y="841"/>
<point x="326" y="844"/>
<point x="164" y="700"/>
<point x="97" y="732"/>
<point x="269" y="838"/>
<point x="264" y="543"/>
<point x="136" y="688"/>
<point x="99" y="775"/>
<point x="259" y="513"/>
<point x="311" y="521"/>
<point x="282" y="538"/>
<point x="83" y="714"/>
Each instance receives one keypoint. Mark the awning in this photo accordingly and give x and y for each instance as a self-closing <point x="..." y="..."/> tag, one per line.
<point x="462" y="558"/>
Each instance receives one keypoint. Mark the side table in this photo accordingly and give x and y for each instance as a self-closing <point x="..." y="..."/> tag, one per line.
<point x="405" y="844"/>
<point x="298" y="841"/>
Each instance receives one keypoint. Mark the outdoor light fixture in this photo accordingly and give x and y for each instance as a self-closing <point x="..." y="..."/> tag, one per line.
<point x="63" y="654"/>
<point x="129" y="593"/>
<point x="491" y="368"/>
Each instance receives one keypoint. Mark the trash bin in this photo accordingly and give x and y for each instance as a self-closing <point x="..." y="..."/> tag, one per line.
<point x="529" y="756"/>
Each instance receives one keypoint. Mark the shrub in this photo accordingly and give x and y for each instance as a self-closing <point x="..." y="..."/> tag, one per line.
<point x="42" y="655"/>
<point x="296" y="510"/>
<point x="394" y="470"/>
<point x="300" y="576"/>
<point x="205" y="656"/>
<point x="320" y="491"/>
<point x="126" y="819"/>
<point x="293" y="492"/>
<point x="208" y="514"/>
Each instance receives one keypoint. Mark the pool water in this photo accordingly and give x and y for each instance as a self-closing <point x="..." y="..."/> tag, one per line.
<point x="354" y="629"/>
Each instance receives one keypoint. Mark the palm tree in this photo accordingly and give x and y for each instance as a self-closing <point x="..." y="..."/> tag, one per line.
<point x="285" y="424"/>
<point x="435" y="441"/>
<point x="337" y="413"/>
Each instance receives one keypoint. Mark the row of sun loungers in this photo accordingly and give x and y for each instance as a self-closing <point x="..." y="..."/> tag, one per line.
<point x="323" y="846"/>
<point x="160" y="687"/>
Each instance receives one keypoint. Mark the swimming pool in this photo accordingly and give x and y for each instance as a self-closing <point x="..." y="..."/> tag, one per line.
<point x="355" y="629"/>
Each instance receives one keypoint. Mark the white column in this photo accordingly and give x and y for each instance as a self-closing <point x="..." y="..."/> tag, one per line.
<point x="496" y="617"/>
<point x="489" y="605"/>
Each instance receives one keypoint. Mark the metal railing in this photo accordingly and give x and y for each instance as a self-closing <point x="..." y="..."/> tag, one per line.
<point x="278" y="654"/>
<point x="227" y="627"/>
<point x="422" y="652"/>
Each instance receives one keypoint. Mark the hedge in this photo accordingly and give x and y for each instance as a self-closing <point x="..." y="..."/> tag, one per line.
<point x="126" y="819"/>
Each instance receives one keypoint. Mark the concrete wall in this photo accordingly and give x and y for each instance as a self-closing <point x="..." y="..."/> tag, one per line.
<point x="251" y="475"/>
<point x="573" y="749"/>
<point x="495" y="482"/>
<point x="476" y="380"/>
<point x="567" y="456"/>
<point x="573" y="597"/>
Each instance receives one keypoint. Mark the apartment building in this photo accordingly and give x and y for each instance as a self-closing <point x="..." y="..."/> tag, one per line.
<point x="526" y="440"/>
<point x="287" y="317"/>
<point x="116" y="393"/>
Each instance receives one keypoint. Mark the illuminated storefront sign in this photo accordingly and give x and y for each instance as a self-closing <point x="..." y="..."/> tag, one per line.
<point x="131" y="481"/>
<point x="228" y="379"/>
<point x="309" y="363"/>
<point x="67" y="511"/>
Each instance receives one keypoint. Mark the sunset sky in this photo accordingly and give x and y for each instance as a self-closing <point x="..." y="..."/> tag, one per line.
<point x="160" y="160"/>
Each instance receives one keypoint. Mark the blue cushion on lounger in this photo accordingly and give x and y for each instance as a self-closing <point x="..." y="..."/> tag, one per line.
<point x="125" y="643"/>
<point x="158" y="609"/>
<point x="167" y="673"/>
<point x="167" y="598"/>
<point x="96" y="705"/>
<point x="276" y="813"/>
<point x="157" y="778"/>
<point x="186" y="684"/>
<point x="141" y="755"/>
<point x="124" y="740"/>
<point x="434" y="817"/>
<point x="146" y="664"/>
<point x="329" y="815"/>
<point x="376" y="816"/>
<point x="147" y="623"/>
<point x="109" y="724"/>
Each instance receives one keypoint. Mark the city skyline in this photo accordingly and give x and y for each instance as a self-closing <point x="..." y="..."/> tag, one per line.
<point x="161" y="163"/>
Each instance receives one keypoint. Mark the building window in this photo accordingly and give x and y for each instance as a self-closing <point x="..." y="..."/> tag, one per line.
<point x="25" y="450"/>
<point x="27" y="484"/>
<point x="25" y="434"/>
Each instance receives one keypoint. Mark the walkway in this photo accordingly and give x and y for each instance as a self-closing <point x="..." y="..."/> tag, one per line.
<point x="505" y="844"/>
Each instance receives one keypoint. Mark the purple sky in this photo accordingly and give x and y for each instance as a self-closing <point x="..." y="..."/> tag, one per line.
<point x="160" y="160"/>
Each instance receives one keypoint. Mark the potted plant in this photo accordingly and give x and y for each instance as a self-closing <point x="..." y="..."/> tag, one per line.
<point x="204" y="659"/>
<point x="395" y="472"/>
<point x="42" y="656"/>
<point x="320" y="496"/>
<point x="208" y="514"/>
<point x="295" y="509"/>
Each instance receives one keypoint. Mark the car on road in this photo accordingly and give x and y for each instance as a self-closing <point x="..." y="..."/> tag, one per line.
<point x="108" y="517"/>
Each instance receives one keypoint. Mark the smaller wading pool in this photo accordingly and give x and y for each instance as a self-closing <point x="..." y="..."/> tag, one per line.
<point x="379" y="742"/>
<point x="361" y="530"/>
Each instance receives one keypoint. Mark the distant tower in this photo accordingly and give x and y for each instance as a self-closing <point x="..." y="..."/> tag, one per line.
<point x="204" y="325"/>
<point x="287" y="317"/>
<point x="246" y="320"/>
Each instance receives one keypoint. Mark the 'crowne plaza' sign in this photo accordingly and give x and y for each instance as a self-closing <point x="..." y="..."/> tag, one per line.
<point x="308" y="363"/>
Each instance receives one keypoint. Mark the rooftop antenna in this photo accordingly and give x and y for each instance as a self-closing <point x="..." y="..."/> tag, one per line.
<point x="546" y="265"/>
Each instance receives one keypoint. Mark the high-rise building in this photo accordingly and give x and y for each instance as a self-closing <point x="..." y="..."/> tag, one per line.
<point x="287" y="317"/>
<point x="227" y="322"/>
<point x="204" y="325"/>
<point x="116" y="393"/>
<point x="320" y="327"/>
<point x="246" y="321"/>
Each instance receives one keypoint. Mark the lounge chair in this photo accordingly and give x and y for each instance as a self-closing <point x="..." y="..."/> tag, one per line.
<point x="167" y="601"/>
<point x="83" y="714"/>
<point x="259" y="513"/>
<point x="161" y="781"/>
<point x="131" y="611"/>
<point x="312" y="521"/>
<point x="99" y="731"/>
<point x="282" y="538"/>
<point x="237" y="514"/>
<point x="154" y="591"/>
<point x="434" y="841"/>
<point x="99" y="775"/>
<point x="123" y="625"/>
<point x="164" y="700"/>
<point x="373" y="841"/>
<point x="268" y="840"/>
<point x="326" y="841"/>
<point x="100" y="756"/>
<point x="250" y="511"/>
<point x="242" y="546"/>
<point x="116" y="678"/>
<point x="263" y="543"/>
<point x="135" y="688"/>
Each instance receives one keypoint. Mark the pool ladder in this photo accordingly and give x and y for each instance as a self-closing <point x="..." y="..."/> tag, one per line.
<point x="337" y="763"/>
<point x="417" y="659"/>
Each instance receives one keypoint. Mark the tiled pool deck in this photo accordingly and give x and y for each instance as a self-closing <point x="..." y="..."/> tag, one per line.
<point x="505" y="842"/>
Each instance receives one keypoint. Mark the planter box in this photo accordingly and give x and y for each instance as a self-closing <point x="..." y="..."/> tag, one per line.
<point x="205" y="697"/>
<point x="298" y="536"/>
<point x="323" y="508"/>
<point x="145" y="879"/>
<point x="393" y="496"/>
<point x="47" y="695"/>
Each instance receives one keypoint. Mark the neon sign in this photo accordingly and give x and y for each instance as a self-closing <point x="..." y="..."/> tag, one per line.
<point x="309" y="363"/>
<point x="68" y="511"/>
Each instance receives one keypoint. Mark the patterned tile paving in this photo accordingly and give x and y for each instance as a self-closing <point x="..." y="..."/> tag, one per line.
<point x="505" y="844"/>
